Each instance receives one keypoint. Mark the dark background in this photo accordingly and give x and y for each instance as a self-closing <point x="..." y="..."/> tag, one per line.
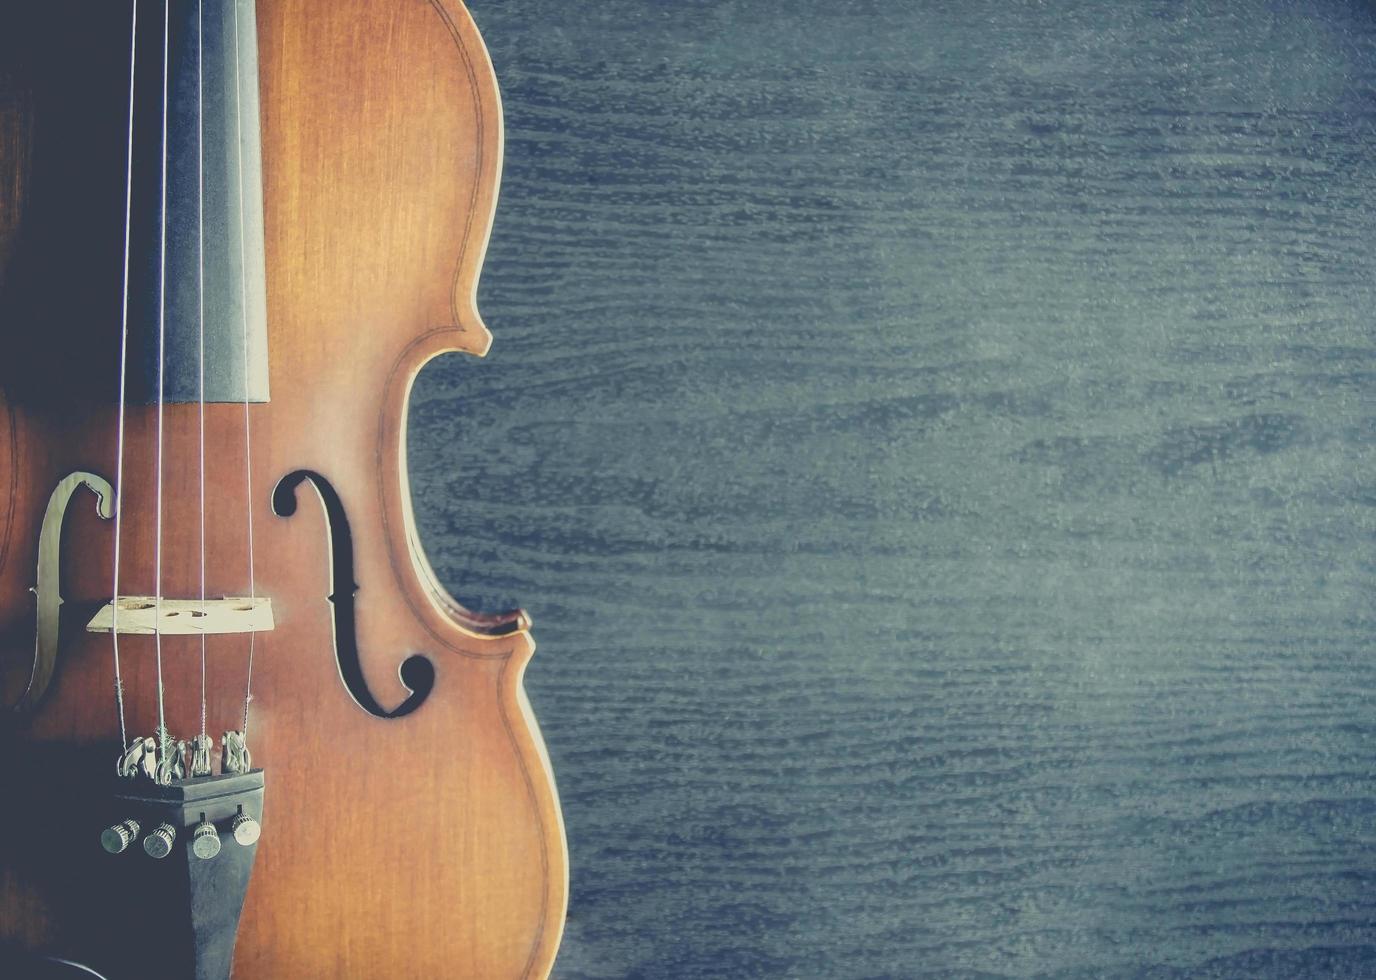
<point x="935" y="443"/>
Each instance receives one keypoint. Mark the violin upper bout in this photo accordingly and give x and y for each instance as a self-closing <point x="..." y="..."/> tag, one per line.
<point x="381" y="164"/>
<point x="476" y="338"/>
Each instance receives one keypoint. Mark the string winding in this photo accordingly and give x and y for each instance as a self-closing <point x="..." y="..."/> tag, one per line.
<point x="200" y="220"/>
<point x="123" y="375"/>
<point x="163" y="737"/>
<point x="243" y="283"/>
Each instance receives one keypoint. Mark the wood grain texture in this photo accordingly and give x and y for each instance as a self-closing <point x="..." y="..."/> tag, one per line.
<point x="935" y="443"/>
<point x="423" y="846"/>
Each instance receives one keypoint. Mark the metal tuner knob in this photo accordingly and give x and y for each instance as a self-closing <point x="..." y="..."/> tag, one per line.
<point x="205" y="840"/>
<point x="116" y="839"/>
<point x="158" y="844"/>
<point x="245" y="829"/>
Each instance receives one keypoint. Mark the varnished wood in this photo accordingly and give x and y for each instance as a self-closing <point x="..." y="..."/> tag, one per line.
<point x="419" y="847"/>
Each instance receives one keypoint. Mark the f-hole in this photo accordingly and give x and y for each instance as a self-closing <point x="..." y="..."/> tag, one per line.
<point x="48" y="586"/>
<point x="417" y="673"/>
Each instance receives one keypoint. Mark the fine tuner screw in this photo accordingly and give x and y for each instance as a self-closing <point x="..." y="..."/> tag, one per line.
<point x="158" y="844"/>
<point x="117" y="838"/>
<point x="205" y="840"/>
<point x="245" y="829"/>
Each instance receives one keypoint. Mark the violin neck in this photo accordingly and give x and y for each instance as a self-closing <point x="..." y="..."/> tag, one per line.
<point x="196" y="284"/>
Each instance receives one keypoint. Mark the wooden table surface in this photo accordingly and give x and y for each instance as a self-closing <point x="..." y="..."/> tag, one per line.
<point x="935" y="442"/>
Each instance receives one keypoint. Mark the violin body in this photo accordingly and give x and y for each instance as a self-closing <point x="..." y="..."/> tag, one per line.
<point x="410" y="826"/>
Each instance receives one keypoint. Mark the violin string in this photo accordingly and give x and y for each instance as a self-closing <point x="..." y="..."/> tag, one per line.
<point x="123" y="363"/>
<point x="243" y="282"/>
<point x="200" y="219"/>
<point x="162" y="346"/>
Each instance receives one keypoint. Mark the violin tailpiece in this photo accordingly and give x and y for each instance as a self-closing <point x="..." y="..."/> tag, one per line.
<point x="186" y="850"/>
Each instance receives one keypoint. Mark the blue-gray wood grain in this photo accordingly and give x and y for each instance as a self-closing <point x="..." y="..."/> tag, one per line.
<point x="935" y="443"/>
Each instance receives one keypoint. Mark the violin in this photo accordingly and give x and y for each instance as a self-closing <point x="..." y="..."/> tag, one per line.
<point x="245" y="728"/>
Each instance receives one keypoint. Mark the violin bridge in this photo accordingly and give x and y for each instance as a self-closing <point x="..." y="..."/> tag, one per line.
<point x="143" y="614"/>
